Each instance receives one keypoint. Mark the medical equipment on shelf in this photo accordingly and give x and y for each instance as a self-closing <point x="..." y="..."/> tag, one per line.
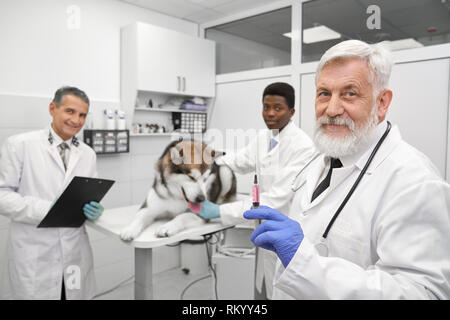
<point x="120" y="120"/>
<point x="110" y="123"/>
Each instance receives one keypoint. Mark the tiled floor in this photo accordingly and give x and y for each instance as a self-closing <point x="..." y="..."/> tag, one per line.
<point x="169" y="285"/>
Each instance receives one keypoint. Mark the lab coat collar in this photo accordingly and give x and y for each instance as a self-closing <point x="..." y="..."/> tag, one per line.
<point x="285" y="132"/>
<point x="312" y="180"/>
<point x="365" y="151"/>
<point x="392" y="140"/>
<point x="360" y="158"/>
<point x="53" y="150"/>
<point x="358" y="161"/>
<point x="55" y="138"/>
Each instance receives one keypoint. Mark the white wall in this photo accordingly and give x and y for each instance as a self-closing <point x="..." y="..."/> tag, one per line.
<point x="40" y="54"/>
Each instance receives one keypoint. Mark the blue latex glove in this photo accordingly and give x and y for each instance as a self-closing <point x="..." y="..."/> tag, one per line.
<point x="93" y="210"/>
<point x="209" y="210"/>
<point x="278" y="233"/>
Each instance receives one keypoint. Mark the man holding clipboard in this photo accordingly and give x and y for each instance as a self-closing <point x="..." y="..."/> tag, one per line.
<point x="35" y="167"/>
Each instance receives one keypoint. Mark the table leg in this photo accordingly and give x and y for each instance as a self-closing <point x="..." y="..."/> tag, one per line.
<point x="143" y="273"/>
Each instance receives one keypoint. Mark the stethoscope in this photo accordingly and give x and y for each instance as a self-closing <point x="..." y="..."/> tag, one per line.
<point x="322" y="247"/>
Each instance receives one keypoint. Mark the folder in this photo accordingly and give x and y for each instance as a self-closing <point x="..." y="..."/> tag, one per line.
<point x="67" y="211"/>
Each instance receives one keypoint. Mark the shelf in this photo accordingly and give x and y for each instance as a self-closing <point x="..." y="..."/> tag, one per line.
<point x="168" y="110"/>
<point x="165" y="134"/>
<point x="151" y="134"/>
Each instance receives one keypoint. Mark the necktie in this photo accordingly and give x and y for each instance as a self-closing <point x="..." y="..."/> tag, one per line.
<point x="62" y="147"/>
<point x="335" y="163"/>
<point x="273" y="143"/>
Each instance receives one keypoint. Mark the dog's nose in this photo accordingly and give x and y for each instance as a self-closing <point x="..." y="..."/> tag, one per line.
<point x="200" y="198"/>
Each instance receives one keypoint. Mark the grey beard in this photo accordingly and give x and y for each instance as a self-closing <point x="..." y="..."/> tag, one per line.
<point x="348" y="145"/>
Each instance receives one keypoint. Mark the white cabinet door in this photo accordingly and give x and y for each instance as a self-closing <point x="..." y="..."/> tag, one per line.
<point x="171" y="62"/>
<point x="158" y="64"/>
<point x="198" y="72"/>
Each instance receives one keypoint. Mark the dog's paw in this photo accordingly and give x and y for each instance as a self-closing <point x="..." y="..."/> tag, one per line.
<point x="167" y="230"/>
<point x="130" y="233"/>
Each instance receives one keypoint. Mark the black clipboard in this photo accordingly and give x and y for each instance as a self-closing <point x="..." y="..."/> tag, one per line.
<point x="67" y="211"/>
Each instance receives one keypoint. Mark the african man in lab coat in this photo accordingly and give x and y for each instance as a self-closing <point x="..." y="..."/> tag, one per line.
<point x="391" y="240"/>
<point x="280" y="152"/>
<point x="35" y="167"/>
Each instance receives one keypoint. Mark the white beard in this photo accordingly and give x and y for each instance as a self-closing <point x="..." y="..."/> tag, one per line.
<point x="351" y="143"/>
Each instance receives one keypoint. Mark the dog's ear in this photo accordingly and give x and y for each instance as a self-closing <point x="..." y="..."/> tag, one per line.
<point x="176" y="155"/>
<point x="210" y="155"/>
<point x="215" y="154"/>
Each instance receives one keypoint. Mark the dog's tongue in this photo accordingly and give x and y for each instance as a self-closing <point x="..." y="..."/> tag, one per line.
<point x="195" y="207"/>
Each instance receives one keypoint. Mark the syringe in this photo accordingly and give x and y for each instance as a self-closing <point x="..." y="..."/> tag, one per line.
<point x="255" y="192"/>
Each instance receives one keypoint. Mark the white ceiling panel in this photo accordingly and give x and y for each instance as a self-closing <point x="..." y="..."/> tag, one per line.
<point x="174" y="8"/>
<point x="210" y="3"/>
<point x="199" y="11"/>
<point x="204" y="15"/>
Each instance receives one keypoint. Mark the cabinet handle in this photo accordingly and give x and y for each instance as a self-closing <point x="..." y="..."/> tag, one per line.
<point x="184" y="84"/>
<point x="179" y="83"/>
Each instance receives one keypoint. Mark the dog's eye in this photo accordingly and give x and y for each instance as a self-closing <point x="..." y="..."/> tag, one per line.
<point x="192" y="178"/>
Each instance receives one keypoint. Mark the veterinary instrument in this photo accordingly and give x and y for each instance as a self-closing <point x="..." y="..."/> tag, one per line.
<point x="255" y="192"/>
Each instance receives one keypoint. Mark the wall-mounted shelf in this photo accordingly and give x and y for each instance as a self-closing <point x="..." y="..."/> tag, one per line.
<point x="178" y="66"/>
<point x="107" y="141"/>
<point x="167" y="110"/>
<point x="156" y="134"/>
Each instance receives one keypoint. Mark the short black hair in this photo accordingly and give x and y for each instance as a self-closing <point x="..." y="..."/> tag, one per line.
<point x="281" y="89"/>
<point x="61" y="92"/>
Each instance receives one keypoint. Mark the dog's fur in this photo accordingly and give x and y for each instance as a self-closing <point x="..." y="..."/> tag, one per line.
<point x="184" y="172"/>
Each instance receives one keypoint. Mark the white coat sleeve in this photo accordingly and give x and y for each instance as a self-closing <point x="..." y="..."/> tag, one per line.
<point x="412" y="244"/>
<point x="279" y="195"/>
<point x="242" y="161"/>
<point x="26" y="209"/>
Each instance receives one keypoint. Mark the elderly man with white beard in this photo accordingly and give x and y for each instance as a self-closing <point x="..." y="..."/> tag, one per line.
<point x="370" y="217"/>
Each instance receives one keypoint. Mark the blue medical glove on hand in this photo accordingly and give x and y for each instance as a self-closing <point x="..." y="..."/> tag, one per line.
<point x="209" y="210"/>
<point x="278" y="233"/>
<point x="93" y="210"/>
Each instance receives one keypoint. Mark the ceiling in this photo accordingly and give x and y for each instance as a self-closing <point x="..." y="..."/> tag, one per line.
<point x="199" y="11"/>
<point x="400" y="19"/>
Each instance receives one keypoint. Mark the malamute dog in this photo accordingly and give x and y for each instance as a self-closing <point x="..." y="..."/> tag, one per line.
<point x="186" y="175"/>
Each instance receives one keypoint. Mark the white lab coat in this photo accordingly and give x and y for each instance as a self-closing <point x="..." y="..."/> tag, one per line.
<point x="391" y="240"/>
<point x="277" y="169"/>
<point x="32" y="175"/>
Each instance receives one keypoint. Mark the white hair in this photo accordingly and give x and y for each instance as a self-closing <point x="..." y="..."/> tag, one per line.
<point x="377" y="57"/>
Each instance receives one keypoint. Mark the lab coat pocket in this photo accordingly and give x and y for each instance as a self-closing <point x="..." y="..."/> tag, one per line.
<point x="347" y="247"/>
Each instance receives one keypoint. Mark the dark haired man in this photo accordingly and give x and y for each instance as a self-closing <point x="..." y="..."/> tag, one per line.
<point x="35" y="167"/>
<point x="278" y="153"/>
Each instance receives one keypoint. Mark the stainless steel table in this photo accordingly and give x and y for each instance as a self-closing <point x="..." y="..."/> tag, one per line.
<point x="113" y="221"/>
